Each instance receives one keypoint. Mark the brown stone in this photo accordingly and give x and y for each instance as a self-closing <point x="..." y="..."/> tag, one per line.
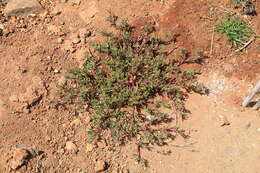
<point x="60" y="40"/>
<point x="76" y="2"/>
<point x="70" y="146"/>
<point x="19" y="158"/>
<point x="34" y="92"/>
<point x="100" y="166"/>
<point x="102" y="144"/>
<point x="56" y="11"/>
<point x="83" y="34"/>
<point x="22" y="7"/>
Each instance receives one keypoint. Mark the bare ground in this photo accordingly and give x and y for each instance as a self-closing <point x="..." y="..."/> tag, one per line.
<point x="224" y="137"/>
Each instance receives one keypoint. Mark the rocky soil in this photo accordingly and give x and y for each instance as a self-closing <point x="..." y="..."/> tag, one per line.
<point x="39" y="40"/>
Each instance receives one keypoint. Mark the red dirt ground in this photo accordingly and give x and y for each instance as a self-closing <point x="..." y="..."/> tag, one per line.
<point x="28" y="121"/>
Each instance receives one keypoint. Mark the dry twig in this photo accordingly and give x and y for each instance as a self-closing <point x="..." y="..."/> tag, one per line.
<point x="212" y="41"/>
<point x="246" y="44"/>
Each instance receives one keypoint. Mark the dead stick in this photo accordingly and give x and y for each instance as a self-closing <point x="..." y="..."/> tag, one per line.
<point x="168" y="53"/>
<point x="252" y="95"/>
<point x="249" y="42"/>
<point x="212" y="41"/>
<point x="227" y="10"/>
<point x="185" y="148"/>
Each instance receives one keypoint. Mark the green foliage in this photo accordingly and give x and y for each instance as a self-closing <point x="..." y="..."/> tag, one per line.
<point x="236" y="30"/>
<point x="240" y="3"/>
<point x="123" y="82"/>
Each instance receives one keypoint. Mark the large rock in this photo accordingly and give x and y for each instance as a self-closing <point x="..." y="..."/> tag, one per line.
<point x="32" y="96"/>
<point x="19" y="158"/>
<point x="34" y="92"/>
<point x="22" y="7"/>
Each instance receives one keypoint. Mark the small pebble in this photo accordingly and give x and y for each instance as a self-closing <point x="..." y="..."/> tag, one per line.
<point x="101" y="144"/>
<point x="60" y="40"/>
<point x="76" y="2"/>
<point x="56" y="71"/>
<point x="70" y="146"/>
<point x="61" y="151"/>
<point x="76" y="40"/>
<point x="56" y="12"/>
<point x="90" y="147"/>
<point x="32" y="15"/>
<point x="82" y="172"/>
<point x="100" y="166"/>
<point x="23" y="70"/>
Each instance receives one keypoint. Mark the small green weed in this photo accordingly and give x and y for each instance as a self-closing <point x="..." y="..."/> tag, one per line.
<point x="123" y="83"/>
<point x="236" y="30"/>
